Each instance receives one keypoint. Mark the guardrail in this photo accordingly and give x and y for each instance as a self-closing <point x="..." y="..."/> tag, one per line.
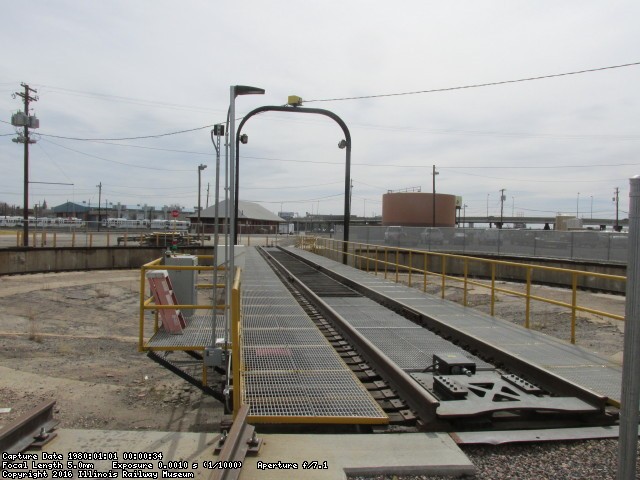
<point x="420" y="265"/>
<point x="148" y="304"/>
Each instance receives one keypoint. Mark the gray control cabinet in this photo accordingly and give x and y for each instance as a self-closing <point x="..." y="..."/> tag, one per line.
<point x="184" y="281"/>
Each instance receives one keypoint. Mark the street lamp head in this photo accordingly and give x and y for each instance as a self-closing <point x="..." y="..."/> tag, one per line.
<point x="247" y="90"/>
<point x="342" y="144"/>
<point x="244" y="139"/>
<point x="201" y="166"/>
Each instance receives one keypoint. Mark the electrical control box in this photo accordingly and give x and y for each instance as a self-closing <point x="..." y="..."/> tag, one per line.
<point x="184" y="281"/>
<point x="453" y="364"/>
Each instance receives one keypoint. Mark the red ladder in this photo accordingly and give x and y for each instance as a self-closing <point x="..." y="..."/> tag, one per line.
<point x="163" y="294"/>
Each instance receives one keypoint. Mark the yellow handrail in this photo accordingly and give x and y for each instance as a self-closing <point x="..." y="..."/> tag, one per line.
<point x="147" y="303"/>
<point x="321" y="245"/>
<point x="236" y="334"/>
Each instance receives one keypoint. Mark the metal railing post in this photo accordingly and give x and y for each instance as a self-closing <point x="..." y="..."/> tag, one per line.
<point x="574" y="302"/>
<point x="386" y="259"/>
<point x="527" y="308"/>
<point x="493" y="288"/>
<point x="443" y="259"/>
<point x="426" y="264"/>
<point x="235" y="332"/>
<point x="466" y="276"/>
<point x="628" y="440"/>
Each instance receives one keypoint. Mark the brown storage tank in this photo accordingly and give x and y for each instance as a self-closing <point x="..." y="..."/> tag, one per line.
<point x="415" y="209"/>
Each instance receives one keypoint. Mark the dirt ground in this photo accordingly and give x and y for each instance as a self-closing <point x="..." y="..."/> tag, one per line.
<point x="73" y="337"/>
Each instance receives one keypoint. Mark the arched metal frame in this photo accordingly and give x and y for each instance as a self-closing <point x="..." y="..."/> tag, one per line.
<point x="347" y="177"/>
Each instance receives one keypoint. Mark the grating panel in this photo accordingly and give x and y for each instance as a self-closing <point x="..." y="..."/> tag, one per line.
<point x="566" y="360"/>
<point x="275" y="321"/>
<point x="196" y="335"/>
<point x="267" y="358"/>
<point x="279" y="336"/>
<point x="592" y="378"/>
<point x="290" y="372"/>
<point x="317" y="394"/>
<point x="292" y="309"/>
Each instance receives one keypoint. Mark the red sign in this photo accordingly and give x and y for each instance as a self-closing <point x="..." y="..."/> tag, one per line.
<point x="175" y="213"/>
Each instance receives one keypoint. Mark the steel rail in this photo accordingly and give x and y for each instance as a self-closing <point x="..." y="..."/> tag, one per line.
<point x="417" y="398"/>
<point x="32" y="427"/>
<point x="546" y="379"/>
<point x="240" y="440"/>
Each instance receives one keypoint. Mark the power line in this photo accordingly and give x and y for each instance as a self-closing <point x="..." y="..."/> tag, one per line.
<point x="131" y="100"/>
<point x="503" y="82"/>
<point x="127" y="138"/>
<point x="478" y="85"/>
<point x="115" y="161"/>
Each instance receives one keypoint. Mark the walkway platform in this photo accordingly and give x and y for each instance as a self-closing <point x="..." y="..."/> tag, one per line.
<point x="289" y="372"/>
<point x="195" y="336"/>
<point x="562" y="359"/>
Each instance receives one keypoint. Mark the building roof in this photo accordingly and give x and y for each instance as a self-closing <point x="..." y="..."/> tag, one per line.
<point x="69" y="207"/>
<point x="246" y="210"/>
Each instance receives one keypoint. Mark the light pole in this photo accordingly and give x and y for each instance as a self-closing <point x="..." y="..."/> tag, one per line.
<point x="488" y="195"/>
<point x="591" y="207"/>
<point x="234" y="91"/>
<point x="200" y="168"/>
<point x="433" y="201"/>
<point x="616" y="199"/>
<point x="578" y="205"/>
<point x="464" y="214"/>
<point x="502" y="199"/>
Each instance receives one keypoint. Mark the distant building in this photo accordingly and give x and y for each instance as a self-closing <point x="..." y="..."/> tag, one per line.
<point x="71" y="210"/>
<point x="252" y="218"/>
<point x="415" y="209"/>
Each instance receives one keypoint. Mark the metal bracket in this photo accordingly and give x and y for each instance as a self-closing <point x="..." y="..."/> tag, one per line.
<point x="33" y="428"/>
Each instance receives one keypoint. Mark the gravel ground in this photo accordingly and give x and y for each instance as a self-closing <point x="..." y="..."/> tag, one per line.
<point x="597" y="459"/>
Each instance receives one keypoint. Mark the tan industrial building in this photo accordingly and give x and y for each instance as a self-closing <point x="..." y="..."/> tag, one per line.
<point x="416" y="209"/>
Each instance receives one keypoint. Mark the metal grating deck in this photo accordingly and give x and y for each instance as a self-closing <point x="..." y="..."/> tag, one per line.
<point x="289" y="372"/>
<point x="409" y="345"/>
<point x="569" y="361"/>
<point x="195" y="336"/>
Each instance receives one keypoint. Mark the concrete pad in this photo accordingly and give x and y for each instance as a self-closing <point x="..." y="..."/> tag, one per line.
<point x="331" y="457"/>
<point x="149" y="447"/>
<point x="317" y="456"/>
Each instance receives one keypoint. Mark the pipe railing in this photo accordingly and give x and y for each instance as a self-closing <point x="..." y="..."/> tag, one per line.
<point x="387" y="261"/>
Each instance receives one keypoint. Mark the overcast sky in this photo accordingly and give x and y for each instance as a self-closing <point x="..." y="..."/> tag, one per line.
<point x="117" y="69"/>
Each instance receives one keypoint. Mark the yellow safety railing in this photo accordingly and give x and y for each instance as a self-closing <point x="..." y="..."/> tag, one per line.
<point x="386" y="260"/>
<point x="236" y="335"/>
<point x="147" y="303"/>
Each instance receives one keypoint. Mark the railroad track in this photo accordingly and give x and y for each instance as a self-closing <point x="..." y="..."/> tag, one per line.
<point x="465" y="386"/>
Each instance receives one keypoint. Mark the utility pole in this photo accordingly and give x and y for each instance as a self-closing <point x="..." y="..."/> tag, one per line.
<point x="350" y="193"/>
<point x="24" y="120"/>
<point x="433" y="200"/>
<point x="99" y="204"/>
<point x="502" y="197"/>
<point x="208" y="185"/>
<point x="616" y="199"/>
<point x="200" y="168"/>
